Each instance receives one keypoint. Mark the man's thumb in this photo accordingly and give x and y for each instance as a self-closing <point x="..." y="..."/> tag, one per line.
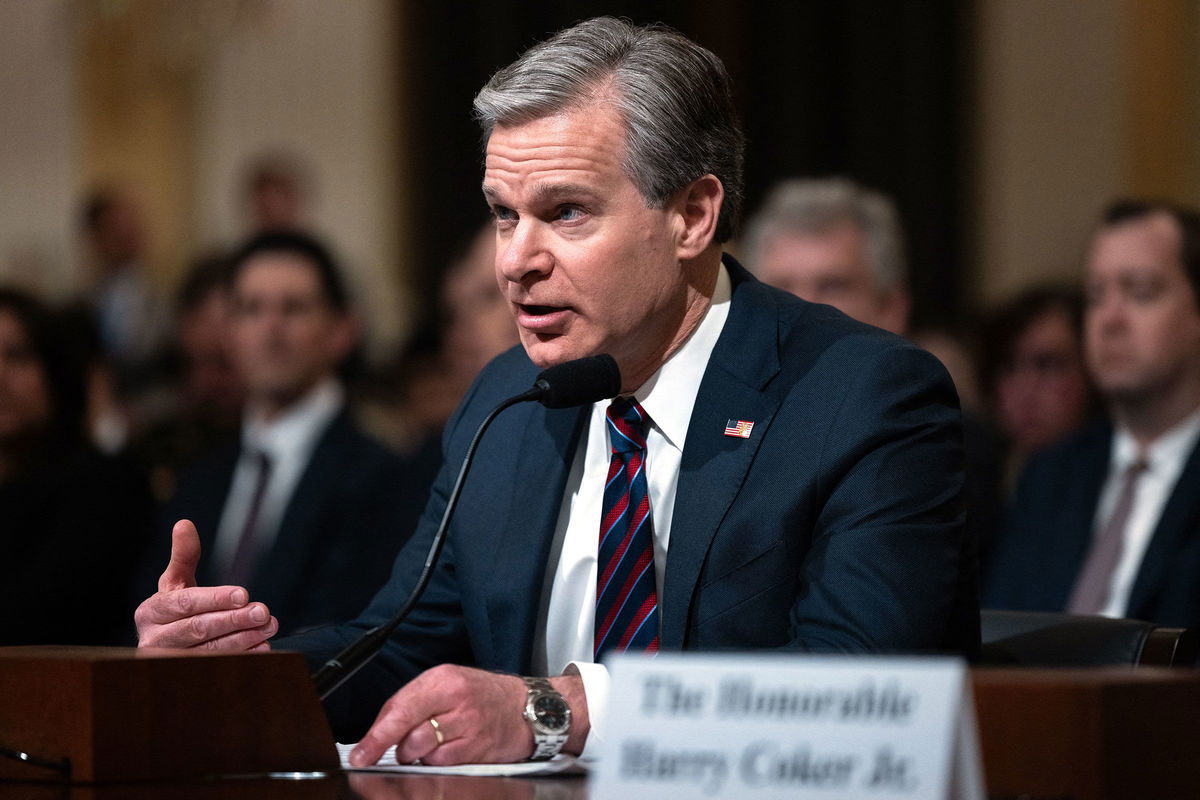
<point x="185" y="555"/>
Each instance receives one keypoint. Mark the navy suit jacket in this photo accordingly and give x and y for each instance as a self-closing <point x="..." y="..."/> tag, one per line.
<point x="836" y="526"/>
<point x="1050" y="527"/>
<point x="352" y="509"/>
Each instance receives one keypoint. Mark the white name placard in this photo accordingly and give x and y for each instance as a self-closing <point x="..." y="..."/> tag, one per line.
<point x="794" y="726"/>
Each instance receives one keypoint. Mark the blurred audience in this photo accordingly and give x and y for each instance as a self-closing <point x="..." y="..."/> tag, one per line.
<point x="1107" y="521"/>
<point x="302" y="508"/>
<point x="833" y="241"/>
<point x="474" y="326"/>
<point x="74" y="521"/>
<point x="208" y="396"/>
<point x="130" y="317"/>
<point x="276" y="193"/>
<point x="1036" y="384"/>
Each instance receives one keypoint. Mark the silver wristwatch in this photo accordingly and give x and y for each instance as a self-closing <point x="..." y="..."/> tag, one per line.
<point x="549" y="718"/>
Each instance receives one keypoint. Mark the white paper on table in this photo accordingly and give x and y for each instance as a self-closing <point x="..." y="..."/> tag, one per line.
<point x="559" y="765"/>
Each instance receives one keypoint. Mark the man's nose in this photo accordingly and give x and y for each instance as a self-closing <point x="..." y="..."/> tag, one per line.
<point x="524" y="254"/>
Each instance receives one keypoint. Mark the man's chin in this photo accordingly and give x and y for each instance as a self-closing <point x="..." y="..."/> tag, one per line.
<point x="548" y="351"/>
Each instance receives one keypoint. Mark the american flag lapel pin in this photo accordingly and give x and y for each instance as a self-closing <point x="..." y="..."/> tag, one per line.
<point x="739" y="428"/>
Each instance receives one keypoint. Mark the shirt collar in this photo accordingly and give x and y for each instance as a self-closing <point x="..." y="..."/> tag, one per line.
<point x="298" y="426"/>
<point x="670" y="393"/>
<point x="1172" y="447"/>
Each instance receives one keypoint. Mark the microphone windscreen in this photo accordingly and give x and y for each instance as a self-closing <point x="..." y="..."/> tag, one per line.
<point x="579" y="382"/>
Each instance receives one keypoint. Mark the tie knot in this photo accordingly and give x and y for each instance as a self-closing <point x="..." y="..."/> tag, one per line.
<point x="627" y="423"/>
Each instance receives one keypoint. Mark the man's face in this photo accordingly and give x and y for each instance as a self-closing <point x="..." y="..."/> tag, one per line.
<point x="586" y="267"/>
<point x="286" y="336"/>
<point x="1142" y="326"/>
<point x="832" y="267"/>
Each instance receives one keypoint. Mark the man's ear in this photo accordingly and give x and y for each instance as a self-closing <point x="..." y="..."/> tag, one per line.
<point x="697" y="207"/>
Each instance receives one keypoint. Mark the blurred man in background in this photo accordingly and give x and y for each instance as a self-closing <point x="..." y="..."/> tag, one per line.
<point x="1108" y="521"/>
<point x="832" y="241"/>
<point x="304" y="508"/>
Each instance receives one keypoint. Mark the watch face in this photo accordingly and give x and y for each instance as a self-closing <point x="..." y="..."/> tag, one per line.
<point x="552" y="712"/>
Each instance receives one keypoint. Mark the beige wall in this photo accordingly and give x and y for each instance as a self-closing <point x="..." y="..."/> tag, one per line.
<point x="316" y="79"/>
<point x="172" y="99"/>
<point x="38" y="132"/>
<point x="1076" y="103"/>
<point x="1050" y="139"/>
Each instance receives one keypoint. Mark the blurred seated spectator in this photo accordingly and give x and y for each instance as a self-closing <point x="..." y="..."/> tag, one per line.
<point x="303" y="509"/>
<point x="1036" y="386"/>
<point x="208" y="392"/>
<point x="1107" y="521"/>
<point x="475" y="325"/>
<point x="72" y="521"/>
<point x="277" y="188"/>
<point x="832" y="241"/>
<point x="130" y="317"/>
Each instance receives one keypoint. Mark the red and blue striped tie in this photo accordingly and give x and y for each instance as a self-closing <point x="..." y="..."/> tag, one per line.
<point x="626" y="599"/>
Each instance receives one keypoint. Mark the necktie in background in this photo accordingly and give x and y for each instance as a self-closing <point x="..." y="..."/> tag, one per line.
<point x="626" y="598"/>
<point x="1090" y="594"/>
<point x="241" y="568"/>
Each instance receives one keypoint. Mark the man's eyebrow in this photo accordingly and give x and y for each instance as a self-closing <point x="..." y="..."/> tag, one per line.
<point x="546" y="193"/>
<point x="558" y="192"/>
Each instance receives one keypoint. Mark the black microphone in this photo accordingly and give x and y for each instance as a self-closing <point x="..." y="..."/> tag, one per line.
<point x="574" y="383"/>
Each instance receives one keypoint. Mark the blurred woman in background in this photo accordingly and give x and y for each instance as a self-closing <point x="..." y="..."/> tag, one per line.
<point x="1034" y="378"/>
<point x="72" y="521"/>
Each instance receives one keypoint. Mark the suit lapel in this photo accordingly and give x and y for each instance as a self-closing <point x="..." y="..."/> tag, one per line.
<point x="542" y="467"/>
<point x="1177" y="523"/>
<point x="714" y="466"/>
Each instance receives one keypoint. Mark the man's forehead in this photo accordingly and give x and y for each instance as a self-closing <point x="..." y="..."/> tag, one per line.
<point x="582" y="137"/>
<point x="1146" y="243"/>
<point x="278" y="271"/>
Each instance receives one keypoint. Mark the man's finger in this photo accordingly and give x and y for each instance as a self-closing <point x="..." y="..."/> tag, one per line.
<point x="165" y="607"/>
<point x="396" y="720"/>
<point x="200" y="629"/>
<point x="185" y="555"/>
<point x="249" y="639"/>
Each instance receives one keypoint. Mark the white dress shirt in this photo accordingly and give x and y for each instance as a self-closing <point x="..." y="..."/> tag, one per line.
<point x="1165" y="459"/>
<point x="564" y="635"/>
<point x="288" y="440"/>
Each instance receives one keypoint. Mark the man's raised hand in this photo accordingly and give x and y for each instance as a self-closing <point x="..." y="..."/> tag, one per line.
<point x="183" y="615"/>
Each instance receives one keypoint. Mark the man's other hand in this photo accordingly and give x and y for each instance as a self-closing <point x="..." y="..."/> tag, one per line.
<point x="479" y="714"/>
<point x="182" y="614"/>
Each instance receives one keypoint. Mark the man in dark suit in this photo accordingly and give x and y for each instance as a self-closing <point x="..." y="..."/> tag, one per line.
<point x="775" y="475"/>
<point x="303" y="508"/>
<point x="1108" y="520"/>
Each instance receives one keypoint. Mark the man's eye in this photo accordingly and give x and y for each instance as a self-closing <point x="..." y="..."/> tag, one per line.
<point x="1144" y="292"/>
<point x="503" y="214"/>
<point x="570" y="213"/>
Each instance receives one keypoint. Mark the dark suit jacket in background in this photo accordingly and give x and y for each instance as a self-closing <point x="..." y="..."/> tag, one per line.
<point x="353" y="507"/>
<point x="1049" y="530"/>
<point x="73" y="527"/>
<point x="836" y="526"/>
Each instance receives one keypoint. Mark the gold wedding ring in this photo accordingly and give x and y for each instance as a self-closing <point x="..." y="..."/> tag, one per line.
<point x="437" y="731"/>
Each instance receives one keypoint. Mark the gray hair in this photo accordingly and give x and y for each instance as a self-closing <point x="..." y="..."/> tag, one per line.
<point x="815" y="206"/>
<point x="674" y="96"/>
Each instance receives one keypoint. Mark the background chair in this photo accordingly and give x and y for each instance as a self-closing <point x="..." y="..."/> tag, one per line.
<point x="1043" y="639"/>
